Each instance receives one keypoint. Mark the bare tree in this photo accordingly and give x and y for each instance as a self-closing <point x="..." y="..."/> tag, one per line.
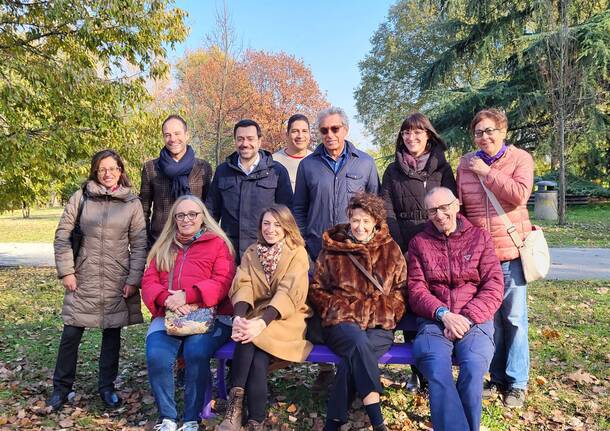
<point x="562" y="79"/>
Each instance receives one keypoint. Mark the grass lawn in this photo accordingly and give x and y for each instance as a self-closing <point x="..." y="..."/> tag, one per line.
<point x="40" y="227"/>
<point x="587" y="226"/>
<point x="570" y="373"/>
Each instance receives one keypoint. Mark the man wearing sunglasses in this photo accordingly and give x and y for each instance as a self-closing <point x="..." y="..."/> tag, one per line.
<point x="455" y="286"/>
<point x="328" y="178"/>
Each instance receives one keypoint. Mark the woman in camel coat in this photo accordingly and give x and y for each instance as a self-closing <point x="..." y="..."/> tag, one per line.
<point x="268" y="294"/>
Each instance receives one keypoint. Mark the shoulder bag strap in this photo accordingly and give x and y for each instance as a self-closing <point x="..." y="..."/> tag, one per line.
<point x="510" y="227"/>
<point x="365" y="272"/>
<point x="81" y="203"/>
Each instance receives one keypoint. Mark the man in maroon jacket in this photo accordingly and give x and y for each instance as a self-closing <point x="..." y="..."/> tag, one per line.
<point x="455" y="286"/>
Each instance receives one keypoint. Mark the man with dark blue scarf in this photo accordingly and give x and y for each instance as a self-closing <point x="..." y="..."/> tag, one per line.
<point x="175" y="173"/>
<point x="247" y="183"/>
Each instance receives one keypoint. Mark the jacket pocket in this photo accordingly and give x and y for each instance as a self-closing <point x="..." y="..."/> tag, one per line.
<point x="355" y="183"/>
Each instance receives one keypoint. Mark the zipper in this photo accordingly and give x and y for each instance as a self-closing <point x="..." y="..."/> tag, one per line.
<point x="450" y="273"/>
<point x="104" y="218"/>
<point x="184" y="252"/>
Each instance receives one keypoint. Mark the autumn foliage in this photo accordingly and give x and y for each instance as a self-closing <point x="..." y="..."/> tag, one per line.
<point x="215" y="91"/>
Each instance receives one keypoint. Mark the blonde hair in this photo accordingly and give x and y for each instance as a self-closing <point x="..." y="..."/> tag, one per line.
<point x="165" y="248"/>
<point x="283" y="215"/>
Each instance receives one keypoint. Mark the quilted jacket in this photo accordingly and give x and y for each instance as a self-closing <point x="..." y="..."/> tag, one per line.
<point x="203" y="269"/>
<point x="459" y="271"/>
<point x="340" y="292"/>
<point x="510" y="179"/>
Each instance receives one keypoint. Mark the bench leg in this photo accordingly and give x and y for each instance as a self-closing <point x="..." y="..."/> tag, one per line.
<point x="206" y="411"/>
<point x="220" y="379"/>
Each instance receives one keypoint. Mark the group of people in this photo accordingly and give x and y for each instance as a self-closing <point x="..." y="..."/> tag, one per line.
<point x="299" y="247"/>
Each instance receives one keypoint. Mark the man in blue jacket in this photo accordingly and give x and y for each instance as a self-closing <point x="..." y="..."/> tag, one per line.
<point x="328" y="178"/>
<point x="244" y="185"/>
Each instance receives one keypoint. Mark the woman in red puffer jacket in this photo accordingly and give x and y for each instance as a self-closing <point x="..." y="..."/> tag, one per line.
<point x="191" y="264"/>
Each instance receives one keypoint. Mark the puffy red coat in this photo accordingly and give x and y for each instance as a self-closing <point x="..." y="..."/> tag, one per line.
<point x="204" y="270"/>
<point x="460" y="271"/>
<point x="510" y="179"/>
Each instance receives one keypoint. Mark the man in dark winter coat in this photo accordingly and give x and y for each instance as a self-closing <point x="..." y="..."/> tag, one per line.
<point x="455" y="285"/>
<point x="248" y="182"/>
<point x="328" y="178"/>
<point x="174" y="173"/>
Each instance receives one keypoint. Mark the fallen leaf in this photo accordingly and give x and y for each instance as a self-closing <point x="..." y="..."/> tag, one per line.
<point x="291" y="408"/>
<point x="541" y="380"/>
<point x="550" y="333"/>
<point x="66" y="423"/>
<point x="581" y="377"/>
<point x="148" y="399"/>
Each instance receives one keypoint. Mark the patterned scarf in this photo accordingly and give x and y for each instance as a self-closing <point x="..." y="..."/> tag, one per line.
<point x="269" y="256"/>
<point x="410" y="163"/>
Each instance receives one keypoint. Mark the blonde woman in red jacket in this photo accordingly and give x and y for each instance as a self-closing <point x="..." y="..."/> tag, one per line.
<point x="508" y="172"/>
<point x="197" y="253"/>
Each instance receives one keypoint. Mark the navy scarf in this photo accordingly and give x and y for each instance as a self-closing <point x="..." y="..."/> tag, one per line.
<point x="177" y="171"/>
<point x="490" y="159"/>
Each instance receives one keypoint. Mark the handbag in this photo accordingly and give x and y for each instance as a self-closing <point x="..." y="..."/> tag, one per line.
<point x="534" y="251"/>
<point x="199" y="320"/>
<point x="76" y="236"/>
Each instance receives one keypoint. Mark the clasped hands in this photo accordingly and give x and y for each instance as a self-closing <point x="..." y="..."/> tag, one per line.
<point x="456" y="326"/>
<point x="176" y="302"/>
<point x="246" y="330"/>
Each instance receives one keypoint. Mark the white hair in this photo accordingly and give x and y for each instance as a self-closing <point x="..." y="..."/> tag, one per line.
<point x="333" y="110"/>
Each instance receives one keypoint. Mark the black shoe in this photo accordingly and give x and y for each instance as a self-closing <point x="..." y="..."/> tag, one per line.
<point x="57" y="400"/>
<point x="111" y="399"/>
<point x="414" y="384"/>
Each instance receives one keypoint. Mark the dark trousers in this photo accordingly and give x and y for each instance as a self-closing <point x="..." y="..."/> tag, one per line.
<point x="250" y="372"/>
<point x="67" y="356"/>
<point x="454" y="405"/>
<point x="358" y="370"/>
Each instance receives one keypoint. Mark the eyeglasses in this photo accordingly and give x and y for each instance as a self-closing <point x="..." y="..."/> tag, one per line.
<point x="416" y="132"/>
<point x="112" y="170"/>
<point x="192" y="215"/>
<point x="489" y="131"/>
<point x="334" y="129"/>
<point x="442" y="208"/>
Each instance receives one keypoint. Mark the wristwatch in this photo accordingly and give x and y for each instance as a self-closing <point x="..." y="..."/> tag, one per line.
<point x="440" y="312"/>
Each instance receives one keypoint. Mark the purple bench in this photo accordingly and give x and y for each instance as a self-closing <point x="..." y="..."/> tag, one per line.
<point x="399" y="353"/>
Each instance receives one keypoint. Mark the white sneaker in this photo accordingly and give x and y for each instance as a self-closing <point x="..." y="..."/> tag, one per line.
<point x="189" y="426"/>
<point x="166" y="425"/>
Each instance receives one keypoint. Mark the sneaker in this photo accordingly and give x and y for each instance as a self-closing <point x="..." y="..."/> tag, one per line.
<point x="189" y="426"/>
<point x="166" y="425"/>
<point x="514" y="398"/>
<point x="413" y="384"/>
<point x="492" y="389"/>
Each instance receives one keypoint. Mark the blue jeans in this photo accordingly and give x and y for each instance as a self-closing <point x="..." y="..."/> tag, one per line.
<point x="454" y="406"/>
<point x="511" y="362"/>
<point x="161" y="353"/>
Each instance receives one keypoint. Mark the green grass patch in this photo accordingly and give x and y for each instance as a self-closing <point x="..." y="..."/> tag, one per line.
<point x="587" y="226"/>
<point x="570" y="372"/>
<point x="39" y="227"/>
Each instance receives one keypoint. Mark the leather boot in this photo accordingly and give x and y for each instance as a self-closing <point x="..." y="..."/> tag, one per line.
<point x="233" y="416"/>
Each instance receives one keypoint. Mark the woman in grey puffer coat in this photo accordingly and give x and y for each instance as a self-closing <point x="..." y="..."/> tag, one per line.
<point x="102" y="285"/>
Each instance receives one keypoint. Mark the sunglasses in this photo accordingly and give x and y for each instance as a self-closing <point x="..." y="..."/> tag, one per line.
<point x="334" y="129"/>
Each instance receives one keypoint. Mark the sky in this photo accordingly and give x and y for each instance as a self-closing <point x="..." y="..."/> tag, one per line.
<point x="330" y="36"/>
